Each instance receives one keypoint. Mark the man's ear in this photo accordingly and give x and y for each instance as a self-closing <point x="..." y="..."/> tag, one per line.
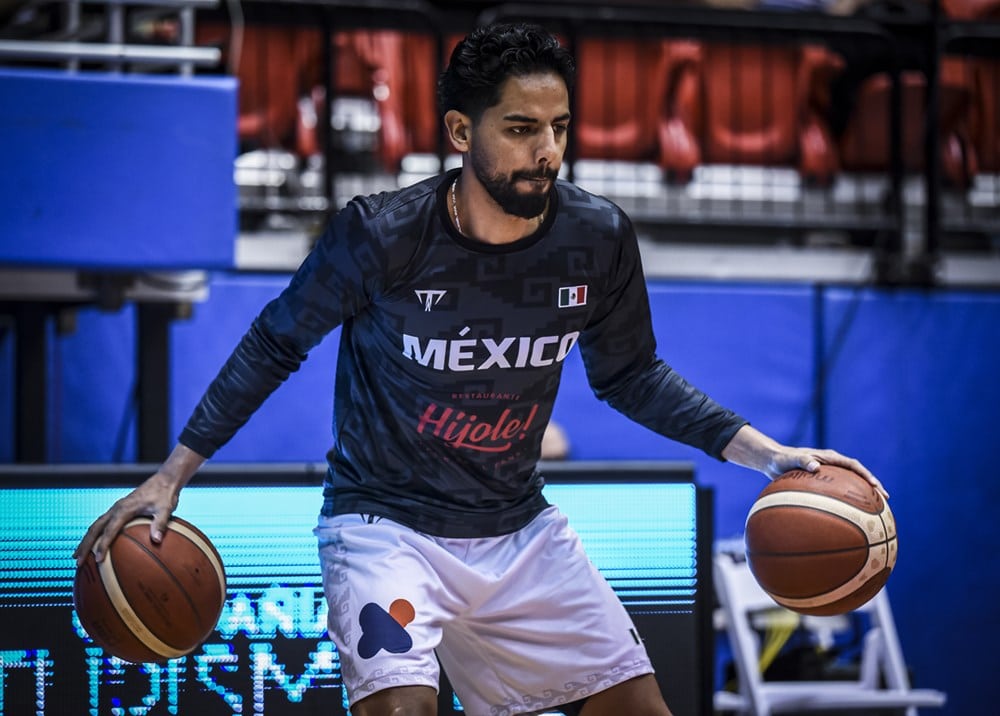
<point x="459" y="130"/>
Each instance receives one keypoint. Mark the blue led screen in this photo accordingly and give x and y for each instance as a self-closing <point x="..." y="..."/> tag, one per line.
<point x="269" y="652"/>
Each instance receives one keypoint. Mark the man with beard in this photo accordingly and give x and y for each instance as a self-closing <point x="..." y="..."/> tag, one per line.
<point x="459" y="298"/>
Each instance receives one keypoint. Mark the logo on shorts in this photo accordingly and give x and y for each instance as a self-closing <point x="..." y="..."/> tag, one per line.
<point x="385" y="630"/>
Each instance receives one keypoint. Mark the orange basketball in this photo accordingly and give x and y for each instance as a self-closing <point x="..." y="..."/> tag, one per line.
<point x="821" y="542"/>
<point x="148" y="602"/>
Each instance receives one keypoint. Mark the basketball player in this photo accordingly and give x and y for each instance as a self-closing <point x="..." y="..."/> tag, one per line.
<point x="459" y="298"/>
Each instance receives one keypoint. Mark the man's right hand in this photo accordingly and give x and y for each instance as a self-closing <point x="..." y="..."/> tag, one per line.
<point x="156" y="497"/>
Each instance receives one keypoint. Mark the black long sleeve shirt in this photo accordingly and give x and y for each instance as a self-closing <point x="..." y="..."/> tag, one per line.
<point x="451" y="353"/>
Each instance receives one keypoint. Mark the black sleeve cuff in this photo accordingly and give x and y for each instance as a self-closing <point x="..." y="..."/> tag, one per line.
<point x="197" y="443"/>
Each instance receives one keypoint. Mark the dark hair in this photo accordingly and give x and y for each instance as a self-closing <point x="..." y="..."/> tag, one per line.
<point x="491" y="54"/>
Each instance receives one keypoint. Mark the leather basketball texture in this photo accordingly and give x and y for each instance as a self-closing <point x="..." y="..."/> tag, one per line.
<point x="148" y="602"/>
<point x="821" y="543"/>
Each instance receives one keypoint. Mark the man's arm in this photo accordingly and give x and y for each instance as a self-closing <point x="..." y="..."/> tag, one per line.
<point x="753" y="449"/>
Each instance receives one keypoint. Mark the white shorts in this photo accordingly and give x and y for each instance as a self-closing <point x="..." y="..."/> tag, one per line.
<point x="521" y="623"/>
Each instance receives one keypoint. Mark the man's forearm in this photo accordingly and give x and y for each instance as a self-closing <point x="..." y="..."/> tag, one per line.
<point x="753" y="449"/>
<point x="179" y="467"/>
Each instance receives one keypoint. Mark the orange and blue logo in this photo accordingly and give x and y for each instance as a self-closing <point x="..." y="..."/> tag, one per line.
<point x="381" y="629"/>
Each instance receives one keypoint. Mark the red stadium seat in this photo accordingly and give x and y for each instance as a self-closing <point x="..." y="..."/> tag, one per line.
<point x="969" y="115"/>
<point x="971" y="9"/>
<point x="358" y="58"/>
<point x="985" y="119"/>
<point x="404" y="70"/>
<point x="754" y="104"/>
<point x="865" y="145"/>
<point x="276" y="65"/>
<point x="984" y="115"/>
<point x="621" y="96"/>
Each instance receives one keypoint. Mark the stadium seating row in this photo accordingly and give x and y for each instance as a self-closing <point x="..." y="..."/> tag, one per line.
<point x="674" y="103"/>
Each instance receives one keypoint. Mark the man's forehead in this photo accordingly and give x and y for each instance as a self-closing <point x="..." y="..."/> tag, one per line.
<point x="532" y="97"/>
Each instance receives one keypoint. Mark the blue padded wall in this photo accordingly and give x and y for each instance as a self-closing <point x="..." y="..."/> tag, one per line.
<point x="117" y="171"/>
<point x="92" y="389"/>
<point x="915" y="392"/>
<point x="295" y="423"/>
<point x="91" y="375"/>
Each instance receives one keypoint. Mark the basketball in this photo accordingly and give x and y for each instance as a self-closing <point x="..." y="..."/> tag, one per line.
<point x="821" y="543"/>
<point x="148" y="602"/>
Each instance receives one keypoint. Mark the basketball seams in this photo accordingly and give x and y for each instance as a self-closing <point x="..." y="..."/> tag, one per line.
<point x="207" y="548"/>
<point x="791" y="482"/>
<point x="199" y="540"/>
<point x="823" y="503"/>
<point x="178" y="586"/>
<point x="844" y="590"/>
<point x="888" y="522"/>
<point x="815" y="552"/>
<point x="121" y="604"/>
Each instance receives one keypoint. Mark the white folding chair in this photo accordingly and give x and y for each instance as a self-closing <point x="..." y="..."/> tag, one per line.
<point x="882" y="682"/>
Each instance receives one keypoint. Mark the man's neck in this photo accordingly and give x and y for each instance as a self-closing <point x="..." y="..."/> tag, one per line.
<point x="480" y="218"/>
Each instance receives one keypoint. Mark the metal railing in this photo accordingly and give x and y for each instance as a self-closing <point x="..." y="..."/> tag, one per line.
<point x="110" y="50"/>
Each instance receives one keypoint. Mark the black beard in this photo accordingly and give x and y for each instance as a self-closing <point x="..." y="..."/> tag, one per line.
<point x="504" y="192"/>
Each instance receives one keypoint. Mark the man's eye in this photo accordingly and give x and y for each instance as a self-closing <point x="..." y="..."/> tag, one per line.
<point x="520" y="130"/>
<point x="560" y="128"/>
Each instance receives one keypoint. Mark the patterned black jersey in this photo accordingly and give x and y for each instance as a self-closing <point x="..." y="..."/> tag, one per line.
<point x="451" y="352"/>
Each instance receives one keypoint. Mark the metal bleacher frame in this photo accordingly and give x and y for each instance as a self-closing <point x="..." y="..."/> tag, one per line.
<point x="907" y="240"/>
<point x="889" y="260"/>
<point x="73" y="45"/>
<point x="911" y="248"/>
